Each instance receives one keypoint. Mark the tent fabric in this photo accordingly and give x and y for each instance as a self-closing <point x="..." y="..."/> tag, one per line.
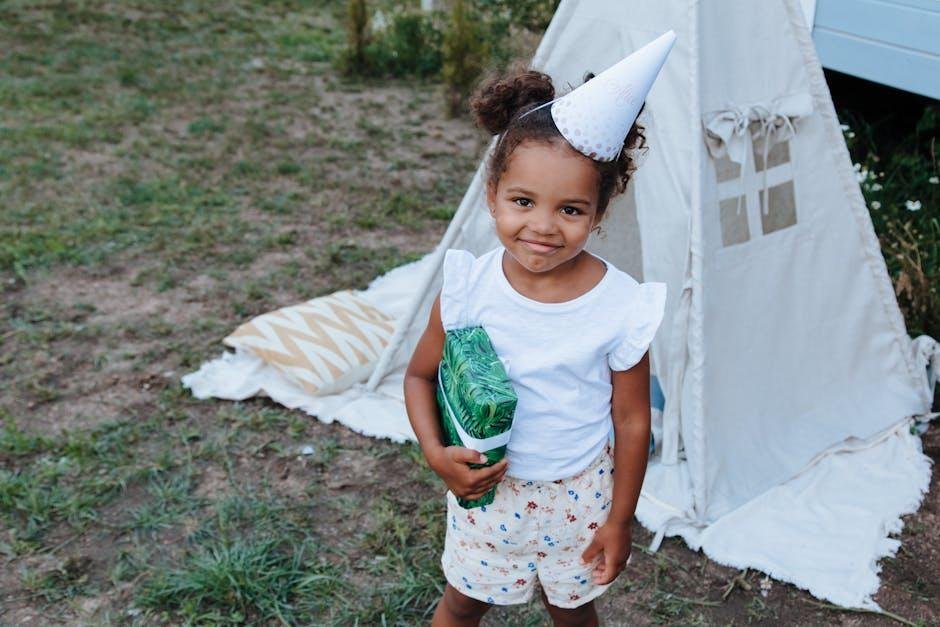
<point x="825" y="529"/>
<point x="782" y="347"/>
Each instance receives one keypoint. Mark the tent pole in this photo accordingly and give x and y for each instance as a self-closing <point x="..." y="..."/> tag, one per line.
<point x="401" y="328"/>
<point x="695" y="411"/>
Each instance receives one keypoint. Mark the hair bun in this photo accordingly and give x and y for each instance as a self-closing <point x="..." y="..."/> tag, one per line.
<point x="499" y="99"/>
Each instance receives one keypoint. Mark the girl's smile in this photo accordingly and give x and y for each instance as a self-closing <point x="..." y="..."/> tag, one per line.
<point x="539" y="247"/>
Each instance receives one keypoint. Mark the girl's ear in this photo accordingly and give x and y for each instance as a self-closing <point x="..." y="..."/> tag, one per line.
<point x="491" y="197"/>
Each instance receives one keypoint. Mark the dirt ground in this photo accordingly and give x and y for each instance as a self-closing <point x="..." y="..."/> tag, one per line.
<point x="113" y="478"/>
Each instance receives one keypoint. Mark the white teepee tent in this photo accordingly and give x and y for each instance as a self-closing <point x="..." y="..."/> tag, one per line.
<point x="787" y="377"/>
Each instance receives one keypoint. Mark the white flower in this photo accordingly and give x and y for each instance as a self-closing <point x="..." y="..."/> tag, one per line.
<point x="912" y="205"/>
<point x="850" y="134"/>
<point x="844" y="127"/>
<point x="765" y="586"/>
<point x="876" y="187"/>
<point x="857" y="166"/>
<point x="875" y="205"/>
<point x="934" y="180"/>
<point x="379" y="21"/>
<point x="861" y="175"/>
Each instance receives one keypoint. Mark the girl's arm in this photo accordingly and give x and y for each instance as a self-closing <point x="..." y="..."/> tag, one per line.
<point x="449" y="462"/>
<point x="630" y="411"/>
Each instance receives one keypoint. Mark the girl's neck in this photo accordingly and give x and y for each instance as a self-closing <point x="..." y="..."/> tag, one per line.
<point x="566" y="282"/>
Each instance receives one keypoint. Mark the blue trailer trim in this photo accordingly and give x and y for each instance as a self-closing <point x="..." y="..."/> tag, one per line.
<point x="894" y="42"/>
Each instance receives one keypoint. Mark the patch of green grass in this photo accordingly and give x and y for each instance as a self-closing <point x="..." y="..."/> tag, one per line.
<point x="264" y="419"/>
<point x="667" y="608"/>
<point x="758" y="611"/>
<point x="40" y="326"/>
<point x="205" y="126"/>
<point x="15" y="442"/>
<point x="421" y="472"/>
<point x="247" y="169"/>
<point x="283" y="204"/>
<point x="129" y="563"/>
<point x="68" y="478"/>
<point x="403" y="543"/>
<point x="251" y="560"/>
<point x="411" y="209"/>
<point x="310" y="44"/>
<point x="288" y="168"/>
<point x="325" y="450"/>
<point x="170" y="501"/>
<point x="67" y="580"/>
<point x="149" y="214"/>
<point x="351" y="266"/>
<point x="245" y="580"/>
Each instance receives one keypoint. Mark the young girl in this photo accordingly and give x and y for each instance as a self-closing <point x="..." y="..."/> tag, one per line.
<point x="573" y="332"/>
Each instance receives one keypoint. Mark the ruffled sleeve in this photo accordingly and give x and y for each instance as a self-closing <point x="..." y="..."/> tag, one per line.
<point x="456" y="271"/>
<point x="643" y="317"/>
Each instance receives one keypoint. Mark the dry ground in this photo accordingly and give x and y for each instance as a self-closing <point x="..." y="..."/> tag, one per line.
<point x="165" y="176"/>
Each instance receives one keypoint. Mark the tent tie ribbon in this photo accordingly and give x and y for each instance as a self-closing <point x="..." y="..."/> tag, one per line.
<point x="727" y="132"/>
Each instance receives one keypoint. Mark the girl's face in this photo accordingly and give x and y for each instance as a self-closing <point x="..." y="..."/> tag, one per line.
<point x="545" y="204"/>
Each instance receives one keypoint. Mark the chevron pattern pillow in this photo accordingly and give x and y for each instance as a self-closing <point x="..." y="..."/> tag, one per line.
<point x="325" y="345"/>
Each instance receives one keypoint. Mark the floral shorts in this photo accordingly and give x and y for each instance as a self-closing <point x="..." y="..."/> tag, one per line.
<point x="532" y="530"/>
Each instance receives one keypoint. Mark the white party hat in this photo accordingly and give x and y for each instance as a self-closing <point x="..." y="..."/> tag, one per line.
<point x="596" y="117"/>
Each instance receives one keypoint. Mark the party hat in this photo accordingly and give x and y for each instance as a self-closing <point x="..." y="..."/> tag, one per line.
<point x="596" y="117"/>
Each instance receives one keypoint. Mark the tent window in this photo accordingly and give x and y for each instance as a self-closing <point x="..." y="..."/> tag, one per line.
<point x="778" y="155"/>
<point x="734" y="221"/>
<point x="727" y="170"/>
<point x="741" y="193"/>
<point x="781" y="208"/>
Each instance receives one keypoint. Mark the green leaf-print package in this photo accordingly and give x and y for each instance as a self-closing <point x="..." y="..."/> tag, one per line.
<point x="475" y="398"/>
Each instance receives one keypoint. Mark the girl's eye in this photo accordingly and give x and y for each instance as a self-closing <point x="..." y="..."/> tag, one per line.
<point x="523" y="202"/>
<point x="571" y="211"/>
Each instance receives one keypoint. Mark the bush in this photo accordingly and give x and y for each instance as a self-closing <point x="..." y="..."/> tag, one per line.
<point x="456" y="44"/>
<point x="506" y="20"/>
<point x="465" y="55"/>
<point x="902" y="189"/>
<point x="409" y="44"/>
<point x="533" y="15"/>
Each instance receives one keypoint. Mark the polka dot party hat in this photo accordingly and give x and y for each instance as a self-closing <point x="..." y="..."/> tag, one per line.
<point x="596" y="117"/>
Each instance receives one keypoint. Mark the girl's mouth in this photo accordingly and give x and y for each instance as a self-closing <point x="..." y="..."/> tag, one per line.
<point x="539" y="247"/>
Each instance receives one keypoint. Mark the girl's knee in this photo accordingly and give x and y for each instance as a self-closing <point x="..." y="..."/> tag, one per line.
<point x="581" y="616"/>
<point x="462" y="607"/>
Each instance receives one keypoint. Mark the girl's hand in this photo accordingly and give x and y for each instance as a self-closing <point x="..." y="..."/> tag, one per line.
<point x="452" y="465"/>
<point x="613" y="542"/>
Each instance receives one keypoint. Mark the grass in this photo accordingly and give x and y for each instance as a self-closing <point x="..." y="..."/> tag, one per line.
<point x="250" y="562"/>
<point x="64" y="479"/>
<point x="164" y="175"/>
<point x="126" y="128"/>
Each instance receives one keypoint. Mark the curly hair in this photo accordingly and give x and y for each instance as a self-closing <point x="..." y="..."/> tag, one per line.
<point x="497" y="106"/>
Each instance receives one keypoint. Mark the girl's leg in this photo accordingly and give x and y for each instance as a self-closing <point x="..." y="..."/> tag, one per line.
<point x="581" y="616"/>
<point x="456" y="609"/>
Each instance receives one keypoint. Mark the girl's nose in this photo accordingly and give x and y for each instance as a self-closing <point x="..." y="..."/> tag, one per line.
<point x="543" y="222"/>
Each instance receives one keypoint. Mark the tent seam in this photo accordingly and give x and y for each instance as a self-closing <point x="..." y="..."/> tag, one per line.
<point x="872" y="250"/>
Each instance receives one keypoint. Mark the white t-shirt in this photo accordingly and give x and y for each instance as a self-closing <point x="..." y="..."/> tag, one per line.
<point x="557" y="355"/>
